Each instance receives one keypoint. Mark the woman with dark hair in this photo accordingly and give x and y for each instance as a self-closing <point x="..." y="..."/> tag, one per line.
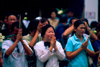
<point x="48" y="51"/>
<point x="78" y="46"/>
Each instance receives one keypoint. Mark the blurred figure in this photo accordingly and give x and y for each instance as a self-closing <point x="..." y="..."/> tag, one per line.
<point x="70" y="14"/>
<point x="8" y="20"/>
<point x="53" y="20"/>
<point x="61" y="27"/>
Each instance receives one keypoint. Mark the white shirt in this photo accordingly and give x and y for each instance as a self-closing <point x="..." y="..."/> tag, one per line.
<point x="43" y="54"/>
<point x="15" y="59"/>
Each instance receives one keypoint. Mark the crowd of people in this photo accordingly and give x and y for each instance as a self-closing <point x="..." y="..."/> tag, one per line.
<point x="58" y="41"/>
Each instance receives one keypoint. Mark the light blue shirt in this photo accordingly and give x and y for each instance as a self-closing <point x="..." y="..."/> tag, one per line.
<point x="72" y="45"/>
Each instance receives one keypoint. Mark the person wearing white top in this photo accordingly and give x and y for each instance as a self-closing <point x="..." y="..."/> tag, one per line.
<point x="49" y="51"/>
<point x="14" y="50"/>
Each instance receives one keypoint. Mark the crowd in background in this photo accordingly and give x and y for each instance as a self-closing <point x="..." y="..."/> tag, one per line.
<point x="57" y="41"/>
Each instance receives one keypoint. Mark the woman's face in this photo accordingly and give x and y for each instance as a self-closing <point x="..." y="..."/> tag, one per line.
<point x="53" y="15"/>
<point x="49" y="34"/>
<point x="80" y="29"/>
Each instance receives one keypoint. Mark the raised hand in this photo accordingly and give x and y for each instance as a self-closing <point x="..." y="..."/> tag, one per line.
<point x="19" y="35"/>
<point x="39" y="27"/>
<point x="84" y="45"/>
<point x="53" y="42"/>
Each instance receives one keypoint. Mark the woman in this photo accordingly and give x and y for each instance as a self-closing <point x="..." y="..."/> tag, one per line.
<point x="78" y="46"/>
<point x="48" y="51"/>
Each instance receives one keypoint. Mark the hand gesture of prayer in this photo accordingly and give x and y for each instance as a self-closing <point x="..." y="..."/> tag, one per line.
<point x="19" y="35"/>
<point x="84" y="45"/>
<point x="53" y="42"/>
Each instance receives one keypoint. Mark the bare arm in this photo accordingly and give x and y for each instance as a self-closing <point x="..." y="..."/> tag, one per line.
<point x="91" y="53"/>
<point x="32" y="43"/>
<point x="92" y="35"/>
<point x="68" y="31"/>
<point x="11" y="49"/>
<point x="26" y="48"/>
<point x="71" y="55"/>
<point x="39" y="27"/>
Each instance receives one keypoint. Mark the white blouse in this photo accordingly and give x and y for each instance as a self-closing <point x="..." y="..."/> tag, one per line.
<point x="44" y="54"/>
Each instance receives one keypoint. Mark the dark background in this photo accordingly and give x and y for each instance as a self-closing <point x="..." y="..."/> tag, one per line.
<point x="46" y="6"/>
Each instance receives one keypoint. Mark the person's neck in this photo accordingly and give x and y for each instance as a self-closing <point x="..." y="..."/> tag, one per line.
<point x="31" y="35"/>
<point x="79" y="36"/>
<point x="53" y="18"/>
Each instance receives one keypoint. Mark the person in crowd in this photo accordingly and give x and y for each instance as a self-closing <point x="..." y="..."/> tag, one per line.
<point x="48" y="51"/>
<point x="33" y="37"/>
<point x="61" y="27"/>
<point x="93" y="25"/>
<point x="78" y="46"/>
<point x="96" y="45"/>
<point x="53" y="20"/>
<point x="68" y="32"/>
<point x="14" y="49"/>
<point x="34" y="30"/>
<point x="8" y="20"/>
<point x="70" y="14"/>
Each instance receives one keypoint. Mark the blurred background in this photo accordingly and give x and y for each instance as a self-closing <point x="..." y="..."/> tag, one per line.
<point x="32" y="7"/>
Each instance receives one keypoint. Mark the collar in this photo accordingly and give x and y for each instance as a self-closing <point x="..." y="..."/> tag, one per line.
<point x="84" y="38"/>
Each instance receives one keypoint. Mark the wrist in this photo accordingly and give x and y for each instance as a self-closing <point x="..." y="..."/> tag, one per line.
<point x="55" y="49"/>
<point x="50" y="48"/>
<point x="22" y="42"/>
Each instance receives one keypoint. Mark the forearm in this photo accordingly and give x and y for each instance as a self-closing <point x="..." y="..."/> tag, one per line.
<point x="91" y="53"/>
<point x="73" y="54"/>
<point x="26" y="48"/>
<point x="68" y="31"/>
<point x="31" y="44"/>
<point x="11" y="49"/>
<point x="92" y="35"/>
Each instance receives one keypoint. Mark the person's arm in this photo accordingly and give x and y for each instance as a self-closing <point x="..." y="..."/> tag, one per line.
<point x="31" y="44"/>
<point x="26" y="48"/>
<point x="92" y="35"/>
<point x="42" y="53"/>
<point x="39" y="27"/>
<point x="71" y="54"/>
<point x="68" y="31"/>
<point x="11" y="49"/>
<point x="91" y="53"/>
<point x="59" y="52"/>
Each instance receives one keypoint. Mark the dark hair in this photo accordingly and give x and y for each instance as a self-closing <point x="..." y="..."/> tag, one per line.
<point x="44" y="29"/>
<point x="98" y="28"/>
<point x="15" y="24"/>
<point x="78" y="22"/>
<point x="63" y="18"/>
<point x="93" y="24"/>
<point x="12" y="14"/>
<point x="72" y="19"/>
<point x="33" y="25"/>
<point x="86" y="20"/>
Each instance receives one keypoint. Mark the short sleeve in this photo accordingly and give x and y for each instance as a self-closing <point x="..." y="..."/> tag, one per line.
<point x="90" y="46"/>
<point x="69" y="45"/>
